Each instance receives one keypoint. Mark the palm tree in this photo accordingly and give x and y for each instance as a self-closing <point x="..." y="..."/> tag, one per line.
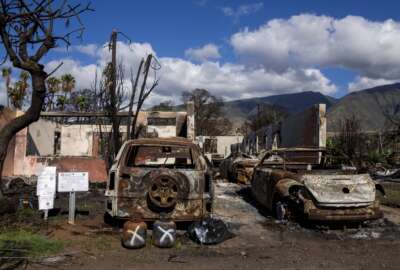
<point x="61" y="101"/>
<point x="18" y="92"/>
<point x="6" y="74"/>
<point x="81" y="102"/>
<point x="24" y="77"/>
<point x="68" y="83"/>
<point x="53" y="86"/>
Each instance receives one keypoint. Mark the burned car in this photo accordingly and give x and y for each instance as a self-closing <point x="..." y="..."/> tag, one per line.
<point x="238" y="167"/>
<point x="153" y="178"/>
<point x="293" y="187"/>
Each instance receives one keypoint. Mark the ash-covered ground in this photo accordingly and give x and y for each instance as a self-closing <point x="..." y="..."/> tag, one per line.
<point x="259" y="242"/>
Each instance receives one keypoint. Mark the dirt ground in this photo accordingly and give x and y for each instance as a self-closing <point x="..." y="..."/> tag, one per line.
<point x="259" y="242"/>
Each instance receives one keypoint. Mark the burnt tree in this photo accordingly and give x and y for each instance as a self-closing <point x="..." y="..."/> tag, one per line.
<point x="209" y="116"/>
<point x="113" y="96"/>
<point x="27" y="31"/>
<point x="265" y="115"/>
<point x="350" y="139"/>
<point x="144" y="93"/>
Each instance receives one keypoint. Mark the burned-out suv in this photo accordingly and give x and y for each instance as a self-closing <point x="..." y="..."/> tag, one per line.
<point x="159" y="177"/>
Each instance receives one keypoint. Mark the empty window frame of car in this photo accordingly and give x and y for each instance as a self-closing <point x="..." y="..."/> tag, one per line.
<point x="160" y="156"/>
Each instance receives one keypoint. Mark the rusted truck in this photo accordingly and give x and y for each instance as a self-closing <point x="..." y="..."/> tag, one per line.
<point x="159" y="177"/>
<point x="292" y="188"/>
<point x="238" y="168"/>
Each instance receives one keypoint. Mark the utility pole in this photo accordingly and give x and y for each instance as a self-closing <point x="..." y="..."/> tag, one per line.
<point x="258" y="125"/>
<point x="113" y="89"/>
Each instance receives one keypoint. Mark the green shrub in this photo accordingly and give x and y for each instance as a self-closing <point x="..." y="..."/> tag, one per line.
<point x="34" y="245"/>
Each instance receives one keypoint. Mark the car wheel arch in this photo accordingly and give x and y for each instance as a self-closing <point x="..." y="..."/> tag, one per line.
<point x="284" y="187"/>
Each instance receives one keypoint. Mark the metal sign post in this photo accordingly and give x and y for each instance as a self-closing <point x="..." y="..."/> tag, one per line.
<point x="73" y="182"/>
<point x="72" y="207"/>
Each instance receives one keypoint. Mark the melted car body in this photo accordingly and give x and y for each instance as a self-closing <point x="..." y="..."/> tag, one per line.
<point x="153" y="178"/>
<point x="320" y="194"/>
<point x="238" y="168"/>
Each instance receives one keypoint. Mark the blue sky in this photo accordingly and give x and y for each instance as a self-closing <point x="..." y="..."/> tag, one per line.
<point x="173" y="26"/>
<point x="240" y="49"/>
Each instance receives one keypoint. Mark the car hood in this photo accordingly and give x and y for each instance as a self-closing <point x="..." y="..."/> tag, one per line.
<point x="246" y="162"/>
<point x="341" y="190"/>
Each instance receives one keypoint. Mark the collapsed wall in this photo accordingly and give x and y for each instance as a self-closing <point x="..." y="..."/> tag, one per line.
<point x="306" y="129"/>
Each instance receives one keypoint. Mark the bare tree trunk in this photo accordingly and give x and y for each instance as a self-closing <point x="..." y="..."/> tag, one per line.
<point x="26" y="34"/>
<point x="132" y="100"/>
<point x="142" y="96"/>
<point x="19" y="123"/>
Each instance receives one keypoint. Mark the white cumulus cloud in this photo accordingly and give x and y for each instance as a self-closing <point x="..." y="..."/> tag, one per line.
<point x="89" y="49"/>
<point x="207" y="52"/>
<point x="228" y="80"/>
<point x="281" y="56"/>
<point x="368" y="47"/>
<point x="84" y="74"/>
<point x="361" y="83"/>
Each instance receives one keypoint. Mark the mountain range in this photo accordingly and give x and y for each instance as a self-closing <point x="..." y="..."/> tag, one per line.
<point x="370" y="106"/>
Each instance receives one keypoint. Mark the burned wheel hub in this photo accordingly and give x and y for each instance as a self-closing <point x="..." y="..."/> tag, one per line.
<point x="163" y="191"/>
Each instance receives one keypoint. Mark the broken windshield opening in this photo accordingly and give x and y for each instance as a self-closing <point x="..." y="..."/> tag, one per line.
<point x="160" y="156"/>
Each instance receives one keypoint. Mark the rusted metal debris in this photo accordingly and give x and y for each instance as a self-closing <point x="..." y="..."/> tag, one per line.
<point x="238" y="168"/>
<point x="290" y="188"/>
<point x="159" y="177"/>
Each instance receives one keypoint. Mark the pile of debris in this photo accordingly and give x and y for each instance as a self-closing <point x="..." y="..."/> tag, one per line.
<point x="17" y="191"/>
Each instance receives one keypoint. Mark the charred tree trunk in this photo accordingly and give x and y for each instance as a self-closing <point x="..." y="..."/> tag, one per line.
<point x="19" y="123"/>
<point x="142" y="97"/>
<point x="26" y="35"/>
<point x="131" y="102"/>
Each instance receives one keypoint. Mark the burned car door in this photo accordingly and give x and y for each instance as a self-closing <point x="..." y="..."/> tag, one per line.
<point x="261" y="186"/>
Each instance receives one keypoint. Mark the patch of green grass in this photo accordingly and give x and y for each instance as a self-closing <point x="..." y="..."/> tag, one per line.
<point x="36" y="245"/>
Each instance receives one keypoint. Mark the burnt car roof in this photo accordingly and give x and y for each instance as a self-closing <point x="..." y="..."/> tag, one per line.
<point x="162" y="141"/>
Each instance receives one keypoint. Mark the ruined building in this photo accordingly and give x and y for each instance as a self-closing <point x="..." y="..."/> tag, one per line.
<point x="75" y="145"/>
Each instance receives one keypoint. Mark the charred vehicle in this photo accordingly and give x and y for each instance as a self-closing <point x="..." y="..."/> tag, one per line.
<point x="290" y="188"/>
<point x="153" y="178"/>
<point x="238" y="168"/>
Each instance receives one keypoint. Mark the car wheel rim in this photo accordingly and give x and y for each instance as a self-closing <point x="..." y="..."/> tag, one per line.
<point x="163" y="192"/>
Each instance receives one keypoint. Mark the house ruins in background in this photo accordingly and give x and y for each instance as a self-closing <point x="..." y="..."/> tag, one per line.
<point x="217" y="147"/>
<point x="306" y="129"/>
<point x="72" y="142"/>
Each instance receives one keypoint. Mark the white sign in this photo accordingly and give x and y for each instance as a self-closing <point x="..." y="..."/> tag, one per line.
<point x="73" y="181"/>
<point x="46" y="184"/>
<point x="46" y="202"/>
